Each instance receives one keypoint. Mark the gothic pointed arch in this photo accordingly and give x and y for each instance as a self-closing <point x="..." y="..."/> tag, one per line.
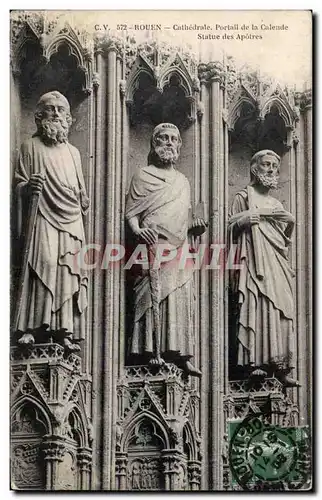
<point x="190" y="442"/>
<point x="23" y="34"/>
<point x="141" y="66"/>
<point x="75" y="425"/>
<point x="175" y="67"/>
<point x="29" y="414"/>
<point x="42" y="49"/>
<point x="277" y="98"/>
<point x="155" y="430"/>
<point x="243" y="99"/>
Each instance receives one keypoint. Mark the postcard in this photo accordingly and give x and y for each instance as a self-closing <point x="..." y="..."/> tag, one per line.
<point x="161" y="250"/>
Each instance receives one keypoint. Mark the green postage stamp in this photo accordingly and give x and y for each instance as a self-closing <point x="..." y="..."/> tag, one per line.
<point x="263" y="456"/>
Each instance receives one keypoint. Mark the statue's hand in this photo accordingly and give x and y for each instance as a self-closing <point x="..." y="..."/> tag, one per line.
<point x="199" y="226"/>
<point x="36" y="183"/>
<point x="248" y="220"/>
<point x="148" y="235"/>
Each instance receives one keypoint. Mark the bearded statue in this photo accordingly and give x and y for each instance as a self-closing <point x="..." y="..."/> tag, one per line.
<point x="157" y="212"/>
<point x="51" y="201"/>
<point x="262" y="287"/>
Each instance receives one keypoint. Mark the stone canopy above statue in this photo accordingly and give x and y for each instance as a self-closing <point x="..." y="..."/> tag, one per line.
<point x="166" y="94"/>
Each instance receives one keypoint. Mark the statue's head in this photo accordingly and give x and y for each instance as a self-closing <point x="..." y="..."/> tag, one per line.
<point x="53" y="117"/>
<point x="265" y="168"/>
<point x="165" y="145"/>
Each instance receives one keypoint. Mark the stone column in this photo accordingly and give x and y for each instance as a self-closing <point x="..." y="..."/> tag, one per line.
<point x="96" y="277"/>
<point x="203" y="114"/>
<point x="121" y="463"/>
<point x="217" y="283"/>
<point x="303" y="262"/>
<point x="84" y="462"/>
<point x="307" y="113"/>
<point x="175" y="476"/>
<point x="291" y="157"/>
<point x="110" y="334"/>
<point x="54" y="449"/>
<point x="124" y="156"/>
<point x="195" y="198"/>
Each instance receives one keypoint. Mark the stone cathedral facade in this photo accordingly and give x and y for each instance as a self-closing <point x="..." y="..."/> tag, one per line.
<point x="97" y="420"/>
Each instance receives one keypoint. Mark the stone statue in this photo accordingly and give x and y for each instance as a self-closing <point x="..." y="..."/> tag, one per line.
<point x="262" y="288"/>
<point x="50" y="187"/>
<point x="157" y="211"/>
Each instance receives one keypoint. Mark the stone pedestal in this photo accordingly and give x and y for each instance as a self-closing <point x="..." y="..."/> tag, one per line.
<point x="50" y="420"/>
<point x="157" y="442"/>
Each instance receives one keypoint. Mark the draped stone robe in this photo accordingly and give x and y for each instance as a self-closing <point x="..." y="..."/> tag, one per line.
<point x="161" y="199"/>
<point x="55" y="288"/>
<point x="265" y="306"/>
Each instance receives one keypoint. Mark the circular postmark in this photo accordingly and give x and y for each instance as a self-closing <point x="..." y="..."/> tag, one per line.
<point x="266" y="456"/>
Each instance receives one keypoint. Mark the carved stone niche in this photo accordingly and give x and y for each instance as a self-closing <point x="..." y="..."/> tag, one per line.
<point x="47" y="54"/>
<point x="155" y="105"/>
<point x="157" y="444"/>
<point x="50" y="429"/>
<point x="27" y="430"/>
<point x="162" y="91"/>
<point x="273" y="132"/>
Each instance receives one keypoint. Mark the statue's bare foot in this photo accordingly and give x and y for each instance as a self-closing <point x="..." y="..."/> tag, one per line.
<point x="157" y="361"/>
<point x="69" y="346"/>
<point x="191" y="370"/>
<point x="26" y="340"/>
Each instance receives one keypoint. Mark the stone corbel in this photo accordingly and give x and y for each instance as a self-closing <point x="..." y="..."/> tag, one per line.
<point x="122" y="88"/>
<point x="96" y="80"/>
<point x="200" y="110"/>
<point x="289" y="142"/>
<point x="295" y="138"/>
<point x="193" y="109"/>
